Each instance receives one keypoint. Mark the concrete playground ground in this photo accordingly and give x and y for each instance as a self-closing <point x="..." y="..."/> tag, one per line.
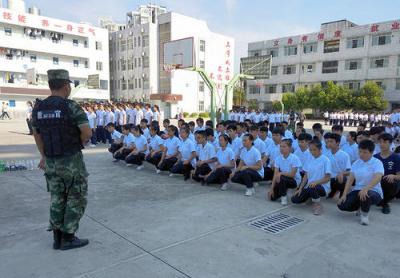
<point x="145" y="225"/>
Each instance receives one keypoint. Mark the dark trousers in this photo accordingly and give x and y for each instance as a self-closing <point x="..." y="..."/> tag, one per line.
<point x="114" y="147"/>
<point x="181" y="168"/>
<point x="4" y="115"/>
<point x="136" y="159"/>
<point x="29" y="123"/>
<point x="155" y="159"/>
<point x="306" y="193"/>
<point x="202" y="170"/>
<point x="247" y="177"/>
<point x="101" y="136"/>
<point x="353" y="202"/>
<point x="122" y="155"/>
<point x="281" y="188"/>
<point x="337" y="186"/>
<point x="268" y="174"/>
<point x="390" y="190"/>
<point x="167" y="164"/>
<point x="220" y="176"/>
<point x="93" y="139"/>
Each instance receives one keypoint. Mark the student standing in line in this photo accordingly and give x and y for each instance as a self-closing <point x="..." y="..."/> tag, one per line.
<point x="156" y="146"/>
<point x="156" y="114"/>
<point x="128" y="144"/>
<point x="250" y="168"/>
<point x="187" y="155"/>
<point x="367" y="173"/>
<point x="225" y="163"/>
<point x="92" y="124"/>
<point x="391" y="163"/>
<point x="137" y="155"/>
<point x="148" y="115"/>
<point x="286" y="173"/>
<point x="206" y="157"/>
<point x="315" y="183"/>
<point x="170" y="153"/>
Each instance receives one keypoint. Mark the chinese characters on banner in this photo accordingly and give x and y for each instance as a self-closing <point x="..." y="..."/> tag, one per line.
<point x="33" y="21"/>
<point x="224" y="71"/>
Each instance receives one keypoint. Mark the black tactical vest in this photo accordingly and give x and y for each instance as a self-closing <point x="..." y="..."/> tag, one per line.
<point x="59" y="134"/>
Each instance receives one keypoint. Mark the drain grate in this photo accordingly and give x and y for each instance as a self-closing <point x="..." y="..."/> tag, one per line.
<point x="276" y="223"/>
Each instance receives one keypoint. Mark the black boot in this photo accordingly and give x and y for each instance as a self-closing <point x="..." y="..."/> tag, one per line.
<point x="57" y="234"/>
<point x="70" y="241"/>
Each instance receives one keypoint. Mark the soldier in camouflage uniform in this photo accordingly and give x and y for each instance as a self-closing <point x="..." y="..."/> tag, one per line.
<point x="60" y="129"/>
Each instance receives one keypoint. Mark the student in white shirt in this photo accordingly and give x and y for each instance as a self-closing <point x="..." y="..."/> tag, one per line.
<point x="187" y="155"/>
<point x="225" y="163"/>
<point x="139" y="114"/>
<point x="200" y="125"/>
<point x="116" y="137"/>
<point x="236" y="143"/>
<point x="303" y="153"/>
<point x="206" y="157"/>
<point x="156" y="114"/>
<point x="351" y="148"/>
<point x="92" y="124"/>
<point x="145" y="129"/>
<point x="156" y="146"/>
<point x="272" y="153"/>
<point x="250" y="168"/>
<point x="316" y="181"/>
<point x="212" y="139"/>
<point x="263" y="135"/>
<point x="340" y="164"/>
<point x="100" y="132"/>
<point x="286" y="173"/>
<point x="128" y="144"/>
<point x="258" y="143"/>
<point x="136" y="157"/>
<point x="148" y="115"/>
<point x="338" y="129"/>
<point x="367" y="173"/>
<point x="171" y="150"/>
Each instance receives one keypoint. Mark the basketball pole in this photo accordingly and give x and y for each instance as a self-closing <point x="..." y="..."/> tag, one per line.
<point x="229" y="89"/>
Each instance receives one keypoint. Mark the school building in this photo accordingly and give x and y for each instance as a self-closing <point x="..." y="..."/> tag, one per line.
<point x="31" y="44"/>
<point x="341" y="51"/>
<point x="137" y="69"/>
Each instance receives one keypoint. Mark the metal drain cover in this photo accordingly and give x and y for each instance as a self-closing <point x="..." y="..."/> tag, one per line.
<point x="276" y="223"/>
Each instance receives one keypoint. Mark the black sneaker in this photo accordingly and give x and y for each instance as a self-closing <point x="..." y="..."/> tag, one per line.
<point x="57" y="234"/>
<point x="386" y="209"/>
<point x="75" y="242"/>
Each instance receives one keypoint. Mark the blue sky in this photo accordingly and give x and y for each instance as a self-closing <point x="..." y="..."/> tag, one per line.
<point x="244" y="20"/>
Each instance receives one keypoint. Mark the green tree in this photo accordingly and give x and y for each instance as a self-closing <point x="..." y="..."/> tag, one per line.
<point x="369" y="98"/>
<point x="239" y="96"/>
<point x="290" y="101"/>
<point x="252" y="104"/>
<point x="277" y="106"/>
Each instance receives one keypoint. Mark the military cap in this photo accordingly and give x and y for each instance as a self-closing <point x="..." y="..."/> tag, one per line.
<point x="58" y="74"/>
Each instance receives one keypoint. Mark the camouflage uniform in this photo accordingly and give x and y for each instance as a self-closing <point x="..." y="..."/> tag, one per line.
<point x="66" y="179"/>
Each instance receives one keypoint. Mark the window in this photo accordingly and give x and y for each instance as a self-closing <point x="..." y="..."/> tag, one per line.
<point x="379" y="62"/>
<point x="85" y="44"/>
<point x="146" y="61"/>
<point x="145" y="41"/>
<point x="352" y="85"/>
<point x="274" y="70"/>
<point x="123" y="45"/>
<point x="310" y="48"/>
<point x="254" y="90"/>
<point x="254" y="53"/>
<point x="75" y="42"/>
<point x="202" y="64"/>
<point x="103" y="84"/>
<point x="308" y="68"/>
<point x="290" y="50"/>
<point x="289" y="69"/>
<point x="130" y="45"/>
<point x="55" y="61"/>
<point x="398" y="84"/>
<point x="76" y="63"/>
<point x="355" y="42"/>
<point x="139" y="83"/>
<point x="135" y="62"/>
<point x="381" y="84"/>
<point x="76" y="83"/>
<point x="134" y="41"/>
<point x="130" y="84"/>
<point x="139" y="62"/>
<point x="287" y="88"/>
<point x="123" y="64"/>
<point x="274" y="52"/>
<point x="33" y="58"/>
<point x="201" y="105"/>
<point x="353" y="64"/>
<point x="330" y="66"/>
<point x="202" y="46"/>
<point x="99" y="45"/>
<point x="135" y="83"/>
<point x="124" y="84"/>
<point x="87" y="64"/>
<point x="381" y="39"/>
<point x="99" y="66"/>
<point x="270" y="89"/>
<point x="130" y="63"/>
<point x="138" y="41"/>
<point x="201" y="86"/>
<point x="7" y="31"/>
<point x="331" y="46"/>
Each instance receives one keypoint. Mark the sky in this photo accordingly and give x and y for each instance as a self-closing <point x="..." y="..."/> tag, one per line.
<point x="245" y="21"/>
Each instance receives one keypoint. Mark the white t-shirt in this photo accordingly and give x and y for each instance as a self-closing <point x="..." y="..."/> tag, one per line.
<point x="148" y="116"/>
<point x="100" y="117"/>
<point x="186" y="148"/>
<point x="303" y="156"/>
<point x="340" y="162"/>
<point x="129" y="140"/>
<point x="156" y="116"/>
<point x="273" y="152"/>
<point x="226" y="156"/>
<point x="92" y="119"/>
<point x="122" y="117"/>
<point x="364" y="172"/>
<point x="139" y="116"/>
<point x="251" y="157"/>
<point x="352" y="151"/>
<point x="287" y="164"/>
<point x="260" y="145"/>
<point x="116" y="135"/>
<point x="172" y="145"/>
<point x="155" y="143"/>
<point x="316" y="169"/>
<point x="140" y="143"/>
<point x="236" y="146"/>
<point x="132" y="115"/>
<point x="207" y="152"/>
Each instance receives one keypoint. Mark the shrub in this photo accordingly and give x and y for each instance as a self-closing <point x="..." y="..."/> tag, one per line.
<point x="193" y="115"/>
<point x="185" y="114"/>
<point x="204" y="115"/>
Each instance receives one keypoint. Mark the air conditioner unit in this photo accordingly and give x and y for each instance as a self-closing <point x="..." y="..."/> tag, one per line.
<point x="143" y="54"/>
<point x="120" y="36"/>
<point x="142" y="30"/>
<point x="130" y="33"/>
<point x="144" y="75"/>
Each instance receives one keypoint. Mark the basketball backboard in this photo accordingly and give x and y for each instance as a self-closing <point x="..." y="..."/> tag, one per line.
<point x="178" y="54"/>
<point x="257" y="66"/>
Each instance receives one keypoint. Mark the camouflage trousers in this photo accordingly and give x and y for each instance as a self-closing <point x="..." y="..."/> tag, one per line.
<point x="67" y="183"/>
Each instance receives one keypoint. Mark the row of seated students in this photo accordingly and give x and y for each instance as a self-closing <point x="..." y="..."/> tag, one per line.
<point x="315" y="167"/>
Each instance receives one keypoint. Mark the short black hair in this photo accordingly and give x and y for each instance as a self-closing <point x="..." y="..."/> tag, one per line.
<point x="305" y="137"/>
<point x="126" y="127"/>
<point x="144" y="121"/>
<point x="333" y="136"/>
<point x="288" y="141"/>
<point x="264" y="129"/>
<point x="376" y="130"/>
<point x="166" y="121"/>
<point x="57" y="84"/>
<point x="367" y="145"/>
<point x="353" y="135"/>
<point x="254" y="128"/>
<point x="317" y="126"/>
<point x="110" y="125"/>
<point x="337" y="128"/>
<point x="226" y="138"/>
<point x="232" y="127"/>
<point x="363" y="133"/>
<point x="201" y="133"/>
<point x="317" y="143"/>
<point x="200" y="120"/>
<point x="209" y="132"/>
<point x="277" y="130"/>
<point x="386" y="137"/>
